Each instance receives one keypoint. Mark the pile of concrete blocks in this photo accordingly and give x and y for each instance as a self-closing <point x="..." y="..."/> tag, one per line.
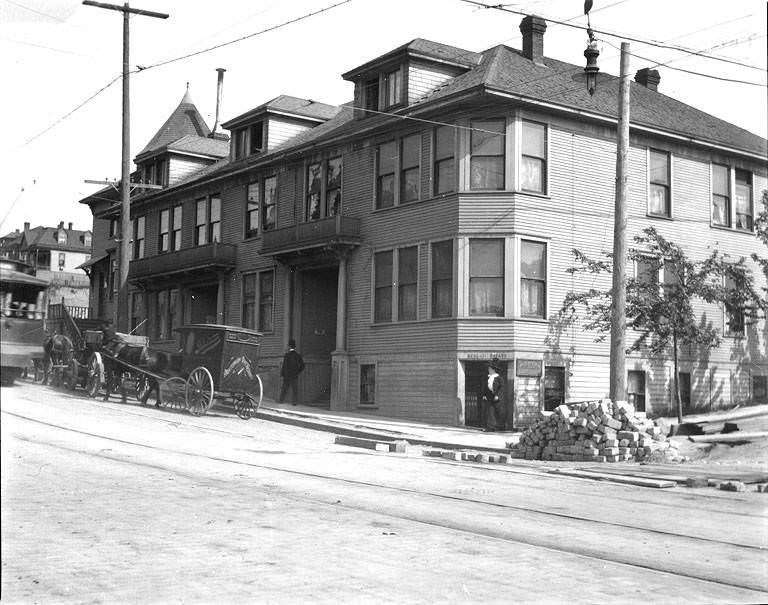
<point x="594" y="431"/>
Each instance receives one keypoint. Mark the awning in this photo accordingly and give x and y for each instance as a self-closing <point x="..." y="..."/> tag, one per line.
<point x="92" y="261"/>
<point x="18" y="277"/>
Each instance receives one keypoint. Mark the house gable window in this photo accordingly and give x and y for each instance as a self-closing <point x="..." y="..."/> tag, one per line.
<point x="139" y="225"/>
<point x="721" y="196"/>
<point x="659" y="196"/>
<point x="743" y="200"/>
<point x="442" y="279"/>
<point x="486" y="277"/>
<point x="486" y="164"/>
<point x="533" y="158"/>
<point x="444" y="170"/>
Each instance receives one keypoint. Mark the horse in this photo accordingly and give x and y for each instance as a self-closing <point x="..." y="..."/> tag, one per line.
<point x="137" y="355"/>
<point x="58" y="351"/>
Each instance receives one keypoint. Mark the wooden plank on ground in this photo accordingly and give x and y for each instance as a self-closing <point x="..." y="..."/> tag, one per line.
<point x="628" y="480"/>
<point x="680" y="472"/>
<point x="735" y="437"/>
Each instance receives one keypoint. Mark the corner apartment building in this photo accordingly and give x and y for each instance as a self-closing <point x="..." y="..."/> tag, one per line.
<point x="410" y="236"/>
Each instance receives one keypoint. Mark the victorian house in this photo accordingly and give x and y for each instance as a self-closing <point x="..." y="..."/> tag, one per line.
<point x="410" y="236"/>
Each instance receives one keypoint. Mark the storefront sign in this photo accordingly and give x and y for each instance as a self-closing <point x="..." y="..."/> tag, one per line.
<point x="528" y="367"/>
<point x="485" y="355"/>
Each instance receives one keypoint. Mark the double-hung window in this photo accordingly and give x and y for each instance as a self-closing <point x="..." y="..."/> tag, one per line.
<point x="385" y="174"/>
<point x="258" y="300"/>
<point x="269" y="203"/>
<point x="533" y="157"/>
<point x="442" y="279"/>
<point x="410" y="147"/>
<point x="734" y="312"/>
<point x="659" y="199"/>
<point x="743" y="200"/>
<point x="486" y="277"/>
<point x="324" y="189"/>
<point x="721" y="195"/>
<point x="444" y="171"/>
<point x="487" y="154"/>
<point x="255" y="137"/>
<point x="636" y="389"/>
<point x="392" y="83"/>
<point x="165" y="230"/>
<point x="533" y="279"/>
<point x="383" y="286"/>
<point x="367" y="384"/>
<point x="139" y="230"/>
<point x="176" y="218"/>
<point x="208" y="220"/>
<point x="62" y="260"/>
<point x="252" y="210"/>
<point x="407" y="282"/>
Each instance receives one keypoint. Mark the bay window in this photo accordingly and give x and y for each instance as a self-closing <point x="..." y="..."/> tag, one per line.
<point x="486" y="277"/>
<point x="487" y="154"/>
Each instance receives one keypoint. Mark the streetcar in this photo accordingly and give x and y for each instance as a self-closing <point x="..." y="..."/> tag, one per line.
<point x="22" y="318"/>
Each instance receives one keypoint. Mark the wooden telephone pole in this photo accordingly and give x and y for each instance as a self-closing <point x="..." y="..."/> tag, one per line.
<point x="618" y="373"/>
<point x="125" y="194"/>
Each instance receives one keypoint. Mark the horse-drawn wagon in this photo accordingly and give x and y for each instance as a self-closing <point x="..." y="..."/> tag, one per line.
<point x="216" y="363"/>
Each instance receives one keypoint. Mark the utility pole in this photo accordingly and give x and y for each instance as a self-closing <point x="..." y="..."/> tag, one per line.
<point x="125" y="194"/>
<point x="618" y="375"/>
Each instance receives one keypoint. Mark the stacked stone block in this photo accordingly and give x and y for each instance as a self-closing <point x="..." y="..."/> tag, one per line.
<point x="593" y="431"/>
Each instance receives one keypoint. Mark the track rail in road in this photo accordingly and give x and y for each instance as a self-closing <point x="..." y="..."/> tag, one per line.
<point x="429" y="501"/>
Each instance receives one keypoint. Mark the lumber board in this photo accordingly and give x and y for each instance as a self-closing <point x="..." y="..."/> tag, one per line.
<point x="735" y="437"/>
<point x="629" y="480"/>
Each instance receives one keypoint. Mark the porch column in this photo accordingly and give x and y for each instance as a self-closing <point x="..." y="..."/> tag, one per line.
<point x="220" y="300"/>
<point x="341" y="306"/>
<point x="288" y="305"/>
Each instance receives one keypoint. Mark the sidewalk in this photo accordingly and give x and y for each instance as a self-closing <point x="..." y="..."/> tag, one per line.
<point x="356" y="424"/>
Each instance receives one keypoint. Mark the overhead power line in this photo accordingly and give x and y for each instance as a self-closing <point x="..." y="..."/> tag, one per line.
<point x="623" y="36"/>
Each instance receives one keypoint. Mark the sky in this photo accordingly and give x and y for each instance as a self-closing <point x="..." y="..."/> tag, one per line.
<point x="56" y="54"/>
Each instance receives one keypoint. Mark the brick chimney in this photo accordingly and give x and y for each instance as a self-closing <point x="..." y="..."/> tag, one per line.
<point x="61" y="224"/>
<point x="649" y="78"/>
<point x="26" y="226"/>
<point x="533" y="29"/>
<point x="70" y="227"/>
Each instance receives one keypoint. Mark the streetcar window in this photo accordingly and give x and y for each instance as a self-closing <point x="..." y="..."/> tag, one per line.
<point x="21" y="301"/>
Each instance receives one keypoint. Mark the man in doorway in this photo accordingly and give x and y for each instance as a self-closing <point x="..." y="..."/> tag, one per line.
<point x="494" y="404"/>
<point x="293" y="365"/>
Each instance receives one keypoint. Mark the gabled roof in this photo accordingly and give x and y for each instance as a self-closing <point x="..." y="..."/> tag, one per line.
<point x="47" y="238"/>
<point x="185" y="120"/>
<point x="193" y="144"/>
<point x="423" y="49"/>
<point x="286" y="104"/>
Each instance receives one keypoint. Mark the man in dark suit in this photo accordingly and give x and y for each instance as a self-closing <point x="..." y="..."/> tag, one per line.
<point x="494" y="404"/>
<point x="293" y="365"/>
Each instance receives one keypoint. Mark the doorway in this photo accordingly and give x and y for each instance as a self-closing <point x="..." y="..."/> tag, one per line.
<point x="318" y="332"/>
<point x="202" y="305"/>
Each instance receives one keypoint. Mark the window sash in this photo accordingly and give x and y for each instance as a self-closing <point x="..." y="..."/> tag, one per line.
<point x="554" y="387"/>
<point x="266" y="300"/>
<point x="252" y="210"/>
<point x="383" y="287"/>
<point x="256" y="136"/>
<point x="367" y="384"/>
<point x="164" y="230"/>
<point x="442" y="279"/>
<point x="176" y="233"/>
<point x="385" y="177"/>
<point x="407" y="283"/>
<point x="269" y="200"/>
<point x="248" y="319"/>
<point x="636" y="389"/>
<point x="201" y="217"/>
<point x="533" y="279"/>
<point x="743" y="200"/>
<point x="486" y="277"/>
<point x="138" y="237"/>
<point x="392" y="88"/>
<point x="487" y="154"/>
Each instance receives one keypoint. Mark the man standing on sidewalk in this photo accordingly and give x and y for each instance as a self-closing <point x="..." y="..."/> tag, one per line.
<point x="494" y="405"/>
<point x="293" y="365"/>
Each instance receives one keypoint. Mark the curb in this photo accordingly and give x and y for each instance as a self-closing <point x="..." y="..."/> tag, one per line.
<point x="304" y="422"/>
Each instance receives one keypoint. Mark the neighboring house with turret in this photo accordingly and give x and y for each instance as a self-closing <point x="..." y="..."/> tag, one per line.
<point x="409" y="237"/>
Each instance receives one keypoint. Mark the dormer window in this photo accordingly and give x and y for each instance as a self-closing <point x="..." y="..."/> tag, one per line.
<point x="87" y="239"/>
<point x="392" y="88"/>
<point x="248" y="140"/>
<point x="62" y="239"/>
<point x="154" y="172"/>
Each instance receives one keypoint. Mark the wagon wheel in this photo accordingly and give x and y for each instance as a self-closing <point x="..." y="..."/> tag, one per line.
<point x="199" y="391"/>
<point x="95" y="375"/>
<point x="247" y="404"/>
<point x="72" y="375"/>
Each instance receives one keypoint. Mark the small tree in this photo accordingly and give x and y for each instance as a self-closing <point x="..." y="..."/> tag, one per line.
<point x="661" y="298"/>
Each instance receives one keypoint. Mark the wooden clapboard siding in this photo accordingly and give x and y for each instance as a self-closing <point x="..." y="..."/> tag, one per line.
<point x="416" y="387"/>
<point x="424" y="78"/>
<point x="281" y="130"/>
<point x="181" y="167"/>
